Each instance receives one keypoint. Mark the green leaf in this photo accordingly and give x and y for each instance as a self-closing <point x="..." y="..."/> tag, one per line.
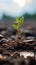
<point x="15" y="26"/>
<point x="17" y="19"/>
<point x="21" y="21"/>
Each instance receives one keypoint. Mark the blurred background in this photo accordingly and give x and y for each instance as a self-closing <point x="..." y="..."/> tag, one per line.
<point x="9" y="9"/>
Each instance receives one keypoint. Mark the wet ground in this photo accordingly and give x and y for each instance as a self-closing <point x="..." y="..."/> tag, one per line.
<point x="10" y="44"/>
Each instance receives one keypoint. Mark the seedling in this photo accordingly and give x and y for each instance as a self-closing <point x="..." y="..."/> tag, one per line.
<point x="18" y="23"/>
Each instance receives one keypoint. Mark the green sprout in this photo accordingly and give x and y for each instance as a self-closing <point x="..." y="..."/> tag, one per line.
<point x="18" y="23"/>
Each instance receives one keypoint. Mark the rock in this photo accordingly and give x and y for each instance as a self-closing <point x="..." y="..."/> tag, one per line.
<point x="1" y="36"/>
<point x="29" y="39"/>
